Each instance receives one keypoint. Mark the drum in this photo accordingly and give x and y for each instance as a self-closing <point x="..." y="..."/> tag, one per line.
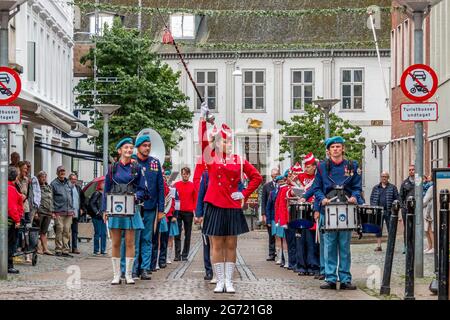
<point x="341" y="217"/>
<point x="301" y="215"/>
<point x="120" y="205"/>
<point x="371" y="218"/>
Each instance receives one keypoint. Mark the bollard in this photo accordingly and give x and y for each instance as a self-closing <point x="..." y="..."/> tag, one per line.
<point x="443" y="245"/>
<point x="410" y="234"/>
<point x="386" y="284"/>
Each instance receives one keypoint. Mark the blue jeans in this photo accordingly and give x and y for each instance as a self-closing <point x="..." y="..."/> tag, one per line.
<point x="99" y="235"/>
<point x="337" y="244"/>
<point x="142" y="244"/>
<point x="290" y="238"/>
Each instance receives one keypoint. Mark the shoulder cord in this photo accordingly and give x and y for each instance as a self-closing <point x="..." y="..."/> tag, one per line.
<point x="114" y="166"/>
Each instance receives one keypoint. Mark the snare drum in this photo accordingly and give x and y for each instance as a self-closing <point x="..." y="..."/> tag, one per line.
<point x="301" y="215"/>
<point x="120" y="205"/>
<point x="341" y="217"/>
<point x="371" y="218"/>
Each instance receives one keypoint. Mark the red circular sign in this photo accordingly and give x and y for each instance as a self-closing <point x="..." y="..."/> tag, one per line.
<point x="419" y="82"/>
<point x="10" y="85"/>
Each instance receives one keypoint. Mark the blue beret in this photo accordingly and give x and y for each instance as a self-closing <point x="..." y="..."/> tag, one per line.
<point x="278" y="178"/>
<point x="167" y="172"/>
<point x="333" y="140"/>
<point x="122" y="142"/>
<point x="286" y="173"/>
<point x="141" y="140"/>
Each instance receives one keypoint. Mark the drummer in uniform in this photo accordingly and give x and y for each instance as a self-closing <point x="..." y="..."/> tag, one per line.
<point x="332" y="174"/>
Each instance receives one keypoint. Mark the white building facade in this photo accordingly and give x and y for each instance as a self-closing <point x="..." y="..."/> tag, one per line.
<point x="41" y="44"/>
<point x="274" y="86"/>
<point x="439" y="131"/>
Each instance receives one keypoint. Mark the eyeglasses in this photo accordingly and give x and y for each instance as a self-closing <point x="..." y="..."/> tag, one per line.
<point x="385" y="176"/>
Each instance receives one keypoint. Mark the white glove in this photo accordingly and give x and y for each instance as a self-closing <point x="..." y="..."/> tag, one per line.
<point x="204" y="110"/>
<point x="237" y="196"/>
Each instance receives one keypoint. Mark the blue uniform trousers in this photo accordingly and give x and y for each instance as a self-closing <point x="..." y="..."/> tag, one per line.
<point x="159" y="245"/>
<point x="142" y="245"/>
<point x="337" y="245"/>
<point x="306" y="254"/>
<point x="290" y="238"/>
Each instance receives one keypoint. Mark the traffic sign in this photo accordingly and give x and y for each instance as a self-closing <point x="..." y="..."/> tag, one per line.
<point x="10" y="115"/>
<point x="419" y="82"/>
<point x="419" y="111"/>
<point x="10" y="85"/>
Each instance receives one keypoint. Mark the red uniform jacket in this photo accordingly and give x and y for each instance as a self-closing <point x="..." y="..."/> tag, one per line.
<point x="199" y="169"/>
<point x="172" y="207"/>
<point x="307" y="181"/>
<point x="281" y="207"/>
<point x="187" y="195"/>
<point x="15" y="203"/>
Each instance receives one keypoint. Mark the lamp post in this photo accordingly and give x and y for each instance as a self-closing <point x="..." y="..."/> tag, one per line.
<point x="325" y="105"/>
<point x="8" y="9"/>
<point x="381" y="146"/>
<point x="418" y="10"/>
<point x="106" y="110"/>
<point x="292" y="140"/>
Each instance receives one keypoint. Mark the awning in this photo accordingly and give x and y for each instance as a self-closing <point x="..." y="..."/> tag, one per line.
<point x="38" y="112"/>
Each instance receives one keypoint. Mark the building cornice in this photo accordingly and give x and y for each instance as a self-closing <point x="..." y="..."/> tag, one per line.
<point x="317" y="53"/>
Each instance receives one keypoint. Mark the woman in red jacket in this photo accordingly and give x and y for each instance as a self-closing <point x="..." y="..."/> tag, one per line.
<point x="224" y="219"/>
<point x="15" y="213"/>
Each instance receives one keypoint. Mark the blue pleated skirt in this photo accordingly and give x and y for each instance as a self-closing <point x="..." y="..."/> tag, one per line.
<point x="163" y="227"/>
<point x="224" y="221"/>
<point x="128" y="223"/>
<point x="273" y="228"/>
<point x="173" y="229"/>
<point x="280" y="231"/>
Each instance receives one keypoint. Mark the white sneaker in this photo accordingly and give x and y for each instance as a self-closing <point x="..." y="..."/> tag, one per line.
<point x="430" y="251"/>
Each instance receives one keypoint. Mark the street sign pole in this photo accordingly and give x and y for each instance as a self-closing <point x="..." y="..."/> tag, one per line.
<point x="4" y="19"/>
<point x="418" y="17"/>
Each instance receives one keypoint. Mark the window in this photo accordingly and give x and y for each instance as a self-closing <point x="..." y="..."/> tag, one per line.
<point x="302" y="86"/>
<point x="254" y="89"/>
<point x="103" y="19"/>
<point x="352" y="88"/>
<point x="31" y="60"/>
<point x="207" y="86"/>
<point x="182" y="26"/>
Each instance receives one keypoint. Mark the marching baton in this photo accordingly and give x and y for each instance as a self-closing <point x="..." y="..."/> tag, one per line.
<point x="181" y="57"/>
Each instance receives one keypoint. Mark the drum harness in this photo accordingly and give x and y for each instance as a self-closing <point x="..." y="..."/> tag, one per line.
<point x="124" y="188"/>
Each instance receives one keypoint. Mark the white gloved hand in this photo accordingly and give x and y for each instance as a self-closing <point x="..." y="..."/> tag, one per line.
<point x="237" y="196"/>
<point x="204" y="110"/>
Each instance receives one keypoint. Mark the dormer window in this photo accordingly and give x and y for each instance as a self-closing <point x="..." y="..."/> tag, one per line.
<point x="104" y="19"/>
<point x="183" y="26"/>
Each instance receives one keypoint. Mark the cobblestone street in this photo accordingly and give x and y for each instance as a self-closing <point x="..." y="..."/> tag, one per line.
<point x="55" y="278"/>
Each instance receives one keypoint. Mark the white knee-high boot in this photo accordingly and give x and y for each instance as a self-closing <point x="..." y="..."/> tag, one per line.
<point x="229" y="270"/>
<point x="128" y="270"/>
<point x="116" y="270"/>
<point x="220" y="275"/>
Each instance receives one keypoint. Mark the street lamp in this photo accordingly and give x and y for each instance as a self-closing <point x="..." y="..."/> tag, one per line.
<point x="8" y="8"/>
<point x="417" y="10"/>
<point x="292" y="140"/>
<point x="325" y="105"/>
<point x="106" y="110"/>
<point x="381" y="146"/>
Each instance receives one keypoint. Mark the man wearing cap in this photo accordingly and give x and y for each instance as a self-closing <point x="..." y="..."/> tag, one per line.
<point x="307" y="251"/>
<point x="333" y="172"/>
<point x="153" y="205"/>
<point x="63" y="210"/>
<point x="267" y="219"/>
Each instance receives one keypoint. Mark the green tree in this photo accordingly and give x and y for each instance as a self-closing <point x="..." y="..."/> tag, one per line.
<point x="311" y="127"/>
<point x="147" y="89"/>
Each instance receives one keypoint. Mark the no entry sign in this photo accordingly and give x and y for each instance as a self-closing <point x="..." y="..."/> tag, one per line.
<point x="10" y="85"/>
<point x="419" y="82"/>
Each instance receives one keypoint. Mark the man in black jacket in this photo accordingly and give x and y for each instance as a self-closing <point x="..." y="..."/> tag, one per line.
<point x="383" y="195"/>
<point x="406" y="190"/>
<point x="79" y="205"/>
<point x="267" y="189"/>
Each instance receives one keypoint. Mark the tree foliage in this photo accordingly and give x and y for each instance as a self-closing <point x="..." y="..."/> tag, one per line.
<point x="311" y="127"/>
<point x="147" y="90"/>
